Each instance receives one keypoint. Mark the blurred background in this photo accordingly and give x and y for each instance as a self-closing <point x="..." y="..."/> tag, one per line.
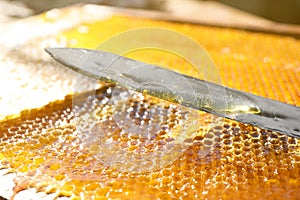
<point x="287" y="11"/>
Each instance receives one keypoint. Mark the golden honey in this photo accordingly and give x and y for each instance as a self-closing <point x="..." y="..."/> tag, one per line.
<point x="243" y="162"/>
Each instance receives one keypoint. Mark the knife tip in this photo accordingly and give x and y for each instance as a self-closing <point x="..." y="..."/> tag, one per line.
<point x="69" y="57"/>
<point x="51" y="51"/>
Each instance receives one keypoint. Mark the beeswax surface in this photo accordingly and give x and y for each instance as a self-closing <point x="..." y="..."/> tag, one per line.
<point x="50" y="152"/>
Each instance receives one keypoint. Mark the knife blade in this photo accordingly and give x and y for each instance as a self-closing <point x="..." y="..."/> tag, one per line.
<point x="182" y="89"/>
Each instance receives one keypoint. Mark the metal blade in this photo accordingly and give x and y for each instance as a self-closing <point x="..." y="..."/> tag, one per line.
<point x="185" y="90"/>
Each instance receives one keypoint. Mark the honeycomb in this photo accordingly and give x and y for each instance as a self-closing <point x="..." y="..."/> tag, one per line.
<point x="54" y="150"/>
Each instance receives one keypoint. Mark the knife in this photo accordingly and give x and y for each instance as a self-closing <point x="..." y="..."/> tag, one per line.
<point x="182" y="89"/>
